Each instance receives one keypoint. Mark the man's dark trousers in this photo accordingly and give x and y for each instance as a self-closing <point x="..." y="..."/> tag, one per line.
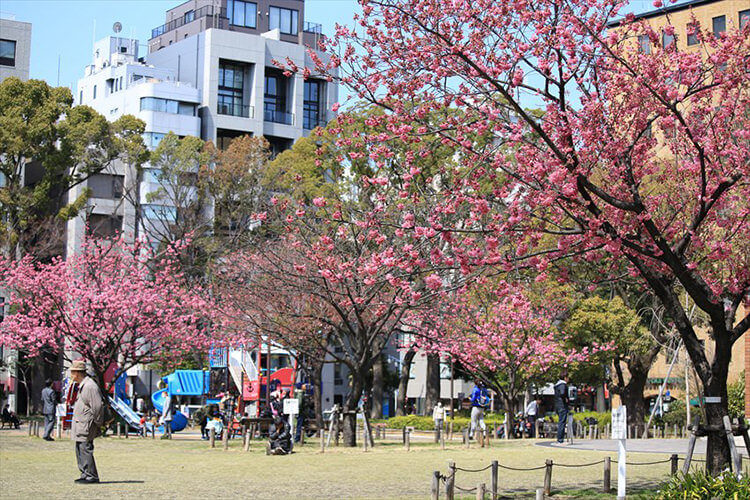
<point x="85" y="457"/>
<point x="562" y="423"/>
<point x="49" y="425"/>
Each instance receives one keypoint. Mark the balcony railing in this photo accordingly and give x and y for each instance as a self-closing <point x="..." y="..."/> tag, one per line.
<point x="206" y="11"/>
<point x="310" y="122"/>
<point x="313" y="28"/>
<point x="271" y="115"/>
<point x="235" y="110"/>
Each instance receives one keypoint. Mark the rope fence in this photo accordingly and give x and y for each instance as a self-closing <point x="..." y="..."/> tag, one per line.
<point x="449" y="479"/>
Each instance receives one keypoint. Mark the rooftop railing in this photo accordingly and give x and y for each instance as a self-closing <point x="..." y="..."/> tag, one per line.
<point x="205" y="11"/>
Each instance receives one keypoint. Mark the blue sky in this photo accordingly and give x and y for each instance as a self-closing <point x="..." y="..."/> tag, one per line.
<point x="66" y="28"/>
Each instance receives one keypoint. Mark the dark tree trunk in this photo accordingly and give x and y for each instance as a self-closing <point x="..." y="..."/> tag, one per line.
<point x="403" y="381"/>
<point x="349" y="432"/>
<point x="316" y="374"/>
<point x="718" y="455"/>
<point x="631" y="393"/>
<point x="376" y="403"/>
<point x="432" y="383"/>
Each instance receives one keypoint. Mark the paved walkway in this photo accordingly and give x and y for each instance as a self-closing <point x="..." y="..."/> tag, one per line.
<point x="669" y="446"/>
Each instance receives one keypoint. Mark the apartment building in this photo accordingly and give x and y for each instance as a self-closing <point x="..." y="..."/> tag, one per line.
<point x="117" y="83"/>
<point x="15" y="49"/>
<point x="227" y="50"/>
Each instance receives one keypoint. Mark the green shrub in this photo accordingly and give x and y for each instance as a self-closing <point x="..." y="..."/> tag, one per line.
<point x="603" y="418"/>
<point x="736" y="397"/>
<point x="425" y="423"/>
<point x="699" y="485"/>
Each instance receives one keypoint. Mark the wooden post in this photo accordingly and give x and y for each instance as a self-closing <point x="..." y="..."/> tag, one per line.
<point x="675" y="431"/>
<point x="31" y="426"/>
<point x="466" y="438"/>
<point x="212" y="438"/>
<point x="673" y="461"/>
<point x="548" y="477"/>
<point x="607" y="484"/>
<point x="487" y="437"/>
<point x="119" y="430"/>
<point x="365" y="437"/>
<point x="480" y="437"/>
<point x="450" y="481"/>
<point x="493" y="480"/>
<point x="407" y="444"/>
<point x="225" y="437"/>
<point x="442" y="440"/>
<point x="403" y="435"/>
<point x="322" y="440"/>
<point x="36" y="428"/>
<point x="435" y="488"/>
<point x="481" y="491"/>
<point x="736" y="459"/>
<point x="153" y="432"/>
<point x="606" y="431"/>
<point x="126" y="429"/>
<point x="450" y="427"/>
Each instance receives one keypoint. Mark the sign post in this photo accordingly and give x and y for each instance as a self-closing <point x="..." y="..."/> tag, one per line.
<point x="291" y="408"/>
<point x="620" y="433"/>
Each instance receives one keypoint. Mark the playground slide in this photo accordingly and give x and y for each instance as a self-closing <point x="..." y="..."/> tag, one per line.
<point x="241" y="363"/>
<point x="126" y="412"/>
<point x="179" y="421"/>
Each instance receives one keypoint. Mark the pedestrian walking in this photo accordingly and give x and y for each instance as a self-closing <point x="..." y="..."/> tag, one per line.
<point x="532" y="413"/>
<point x="88" y="416"/>
<point x="561" y="405"/>
<point x="49" y="409"/>
<point x="438" y="416"/>
<point x="479" y="401"/>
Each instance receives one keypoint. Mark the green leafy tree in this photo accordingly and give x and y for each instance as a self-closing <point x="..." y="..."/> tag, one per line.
<point x="48" y="146"/>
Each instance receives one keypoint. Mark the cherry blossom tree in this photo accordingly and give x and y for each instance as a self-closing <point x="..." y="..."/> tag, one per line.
<point x="500" y="337"/>
<point x="640" y="153"/>
<point x="106" y="305"/>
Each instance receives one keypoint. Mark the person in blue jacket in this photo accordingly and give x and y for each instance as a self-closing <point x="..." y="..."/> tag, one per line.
<point x="561" y="405"/>
<point x="479" y="401"/>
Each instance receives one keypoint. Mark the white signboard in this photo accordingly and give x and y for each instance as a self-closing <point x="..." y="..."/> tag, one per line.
<point x="620" y="423"/>
<point x="291" y="406"/>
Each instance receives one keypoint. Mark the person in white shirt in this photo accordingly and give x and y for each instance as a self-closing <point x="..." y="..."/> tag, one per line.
<point x="438" y="416"/>
<point x="532" y="413"/>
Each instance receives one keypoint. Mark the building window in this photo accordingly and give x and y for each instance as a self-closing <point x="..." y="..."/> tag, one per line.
<point x="667" y="40"/>
<point x="231" y="84"/>
<point x="720" y="25"/>
<point x="242" y="13"/>
<point x="106" y="186"/>
<point x="285" y="20"/>
<point x="189" y="16"/>
<point x="80" y="97"/>
<point x="167" y="106"/>
<point x="338" y="378"/>
<point x="224" y="137"/>
<point x="7" y="52"/>
<point x="692" y="34"/>
<point x="94" y="93"/>
<point x="644" y="44"/>
<point x="104" y="226"/>
<point x="274" y="98"/>
<point x="744" y="18"/>
<point x="152" y="139"/>
<point x="160" y="212"/>
<point x="313" y="104"/>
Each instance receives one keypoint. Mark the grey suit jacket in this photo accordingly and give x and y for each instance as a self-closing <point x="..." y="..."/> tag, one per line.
<point x="49" y="401"/>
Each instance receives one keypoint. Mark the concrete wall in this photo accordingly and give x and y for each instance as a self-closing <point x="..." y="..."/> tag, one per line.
<point x="19" y="32"/>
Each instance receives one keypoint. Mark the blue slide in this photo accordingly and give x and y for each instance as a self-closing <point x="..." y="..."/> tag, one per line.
<point x="179" y="421"/>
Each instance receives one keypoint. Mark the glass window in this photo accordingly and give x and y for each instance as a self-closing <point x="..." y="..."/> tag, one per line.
<point x="242" y="13"/>
<point x="644" y="44"/>
<point x="189" y="16"/>
<point x="744" y="18"/>
<point x="8" y="52"/>
<point x="285" y="20"/>
<point x="94" y="93"/>
<point x="231" y="84"/>
<point x="667" y="40"/>
<point x="274" y="98"/>
<point x="171" y="106"/>
<point x="186" y="108"/>
<point x="692" y="34"/>
<point x="152" y="139"/>
<point x="160" y="212"/>
<point x="313" y="104"/>
<point x="80" y="97"/>
<point x="720" y="25"/>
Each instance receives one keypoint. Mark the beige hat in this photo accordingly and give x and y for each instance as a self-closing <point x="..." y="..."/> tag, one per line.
<point x="78" y="365"/>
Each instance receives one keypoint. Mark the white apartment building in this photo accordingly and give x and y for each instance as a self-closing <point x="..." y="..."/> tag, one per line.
<point x="118" y="83"/>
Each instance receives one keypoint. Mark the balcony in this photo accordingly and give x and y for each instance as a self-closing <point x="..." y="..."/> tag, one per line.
<point x="235" y="110"/>
<point x="206" y="11"/>
<point x="274" y="116"/>
<point x="313" y="28"/>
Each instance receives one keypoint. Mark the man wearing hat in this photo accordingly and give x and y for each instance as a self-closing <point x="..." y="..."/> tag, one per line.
<point x="88" y="413"/>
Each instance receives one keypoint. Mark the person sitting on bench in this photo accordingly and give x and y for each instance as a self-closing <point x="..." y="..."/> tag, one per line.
<point x="10" y="418"/>
<point x="280" y="438"/>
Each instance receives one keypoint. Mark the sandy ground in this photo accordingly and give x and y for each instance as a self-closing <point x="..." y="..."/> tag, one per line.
<point x="31" y="468"/>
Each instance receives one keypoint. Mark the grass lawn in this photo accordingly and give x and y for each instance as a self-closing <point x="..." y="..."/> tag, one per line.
<point x="31" y="468"/>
